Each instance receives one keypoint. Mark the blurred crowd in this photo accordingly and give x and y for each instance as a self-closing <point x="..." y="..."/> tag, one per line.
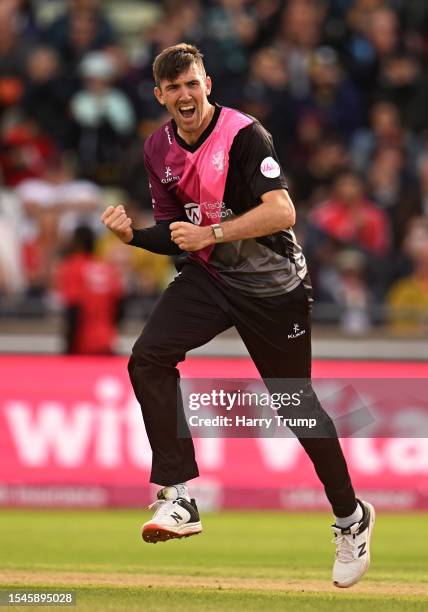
<point x="341" y="84"/>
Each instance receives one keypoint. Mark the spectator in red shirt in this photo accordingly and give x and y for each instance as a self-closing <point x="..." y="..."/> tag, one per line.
<point x="350" y="218"/>
<point x="26" y="152"/>
<point x="92" y="293"/>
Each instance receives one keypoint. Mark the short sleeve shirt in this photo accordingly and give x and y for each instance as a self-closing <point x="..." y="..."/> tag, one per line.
<point x="224" y="174"/>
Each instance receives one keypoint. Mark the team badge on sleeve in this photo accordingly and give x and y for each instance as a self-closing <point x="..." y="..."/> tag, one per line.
<point x="270" y="168"/>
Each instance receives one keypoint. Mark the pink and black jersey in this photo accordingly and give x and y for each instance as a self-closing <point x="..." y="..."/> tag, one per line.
<point x="224" y="174"/>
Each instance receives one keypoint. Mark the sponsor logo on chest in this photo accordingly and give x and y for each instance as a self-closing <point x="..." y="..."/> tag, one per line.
<point x="213" y="211"/>
<point x="193" y="212"/>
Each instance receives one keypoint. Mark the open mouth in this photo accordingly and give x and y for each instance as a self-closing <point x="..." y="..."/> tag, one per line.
<point x="187" y="111"/>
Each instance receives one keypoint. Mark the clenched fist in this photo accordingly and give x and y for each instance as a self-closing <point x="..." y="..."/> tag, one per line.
<point x="191" y="237"/>
<point x="116" y="219"/>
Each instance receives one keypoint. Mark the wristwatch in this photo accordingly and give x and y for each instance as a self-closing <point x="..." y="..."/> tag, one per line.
<point x="218" y="232"/>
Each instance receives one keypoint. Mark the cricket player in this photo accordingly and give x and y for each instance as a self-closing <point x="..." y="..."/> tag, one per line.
<point x="220" y="195"/>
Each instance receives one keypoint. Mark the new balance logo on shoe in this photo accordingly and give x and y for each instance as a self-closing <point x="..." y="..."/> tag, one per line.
<point x="177" y="517"/>
<point x="362" y="549"/>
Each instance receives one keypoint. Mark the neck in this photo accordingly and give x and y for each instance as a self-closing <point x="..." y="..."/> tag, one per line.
<point x="192" y="137"/>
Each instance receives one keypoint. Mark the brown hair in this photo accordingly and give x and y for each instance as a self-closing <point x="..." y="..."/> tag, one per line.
<point x="175" y="60"/>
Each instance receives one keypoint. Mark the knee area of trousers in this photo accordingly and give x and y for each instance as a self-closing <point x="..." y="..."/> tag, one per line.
<point x="147" y="356"/>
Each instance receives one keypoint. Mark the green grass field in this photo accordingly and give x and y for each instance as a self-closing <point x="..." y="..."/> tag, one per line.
<point x="256" y="561"/>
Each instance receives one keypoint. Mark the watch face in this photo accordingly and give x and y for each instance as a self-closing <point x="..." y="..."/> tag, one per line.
<point x="218" y="232"/>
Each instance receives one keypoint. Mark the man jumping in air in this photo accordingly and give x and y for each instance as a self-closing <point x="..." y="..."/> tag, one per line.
<point x="220" y="195"/>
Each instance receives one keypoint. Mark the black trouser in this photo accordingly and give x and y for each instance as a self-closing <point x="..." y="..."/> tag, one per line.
<point x="193" y="310"/>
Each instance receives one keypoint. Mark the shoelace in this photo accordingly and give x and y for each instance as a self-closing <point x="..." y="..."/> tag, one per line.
<point x="346" y="546"/>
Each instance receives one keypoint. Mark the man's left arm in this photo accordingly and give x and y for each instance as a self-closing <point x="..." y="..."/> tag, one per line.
<point x="275" y="213"/>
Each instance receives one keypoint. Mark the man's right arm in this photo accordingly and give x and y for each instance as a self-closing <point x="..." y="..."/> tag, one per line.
<point x="156" y="238"/>
<point x="166" y="210"/>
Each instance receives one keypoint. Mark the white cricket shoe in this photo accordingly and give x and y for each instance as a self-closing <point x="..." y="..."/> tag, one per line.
<point x="172" y="519"/>
<point x="353" y="548"/>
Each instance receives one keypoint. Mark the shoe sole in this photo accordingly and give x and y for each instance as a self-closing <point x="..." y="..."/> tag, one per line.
<point x="370" y="528"/>
<point x="156" y="533"/>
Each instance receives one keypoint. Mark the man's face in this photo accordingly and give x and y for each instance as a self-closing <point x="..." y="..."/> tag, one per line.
<point x="186" y="100"/>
